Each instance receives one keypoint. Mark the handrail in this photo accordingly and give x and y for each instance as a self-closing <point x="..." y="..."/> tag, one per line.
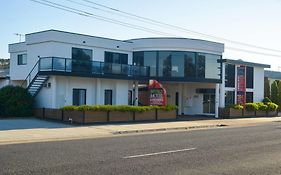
<point x="25" y="80"/>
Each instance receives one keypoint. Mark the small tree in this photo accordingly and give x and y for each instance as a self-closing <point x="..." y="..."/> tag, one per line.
<point x="15" y="101"/>
<point x="279" y="93"/>
<point x="266" y="88"/>
<point x="274" y="92"/>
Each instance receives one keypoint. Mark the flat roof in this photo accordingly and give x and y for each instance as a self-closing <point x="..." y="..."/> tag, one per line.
<point x="272" y="74"/>
<point x="246" y="63"/>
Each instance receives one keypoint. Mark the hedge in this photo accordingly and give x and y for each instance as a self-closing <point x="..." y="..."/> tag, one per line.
<point x="235" y="106"/>
<point x="121" y="108"/>
<point x="251" y="106"/>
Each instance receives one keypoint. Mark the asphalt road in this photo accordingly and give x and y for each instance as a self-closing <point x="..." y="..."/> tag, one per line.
<point x="248" y="150"/>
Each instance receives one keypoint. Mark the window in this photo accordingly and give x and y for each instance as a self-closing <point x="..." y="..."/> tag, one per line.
<point x="178" y="64"/>
<point x="22" y="59"/>
<point x="118" y="58"/>
<point x="165" y="61"/>
<point x="229" y="75"/>
<point x="81" y="59"/>
<point x="108" y="97"/>
<point x="200" y="70"/>
<point x="249" y="77"/>
<point x="189" y="64"/>
<point x="249" y="97"/>
<point x="79" y="97"/>
<point x="229" y="98"/>
<point x="130" y="97"/>
<point x="147" y="58"/>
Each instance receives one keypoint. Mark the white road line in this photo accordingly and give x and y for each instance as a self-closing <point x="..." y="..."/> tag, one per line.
<point x="158" y="153"/>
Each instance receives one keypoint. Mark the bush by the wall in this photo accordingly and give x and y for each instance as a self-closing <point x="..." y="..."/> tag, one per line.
<point x="272" y="106"/>
<point x="251" y="106"/>
<point x="262" y="106"/>
<point x="266" y="100"/>
<point x="15" y="101"/>
<point x="121" y="108"/>
<point x="235" y="106"/>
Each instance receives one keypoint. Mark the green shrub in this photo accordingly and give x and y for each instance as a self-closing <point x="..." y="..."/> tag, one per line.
<point x="272" y="106"/>
<point x="251" y="106"/>
<point x="262" y="106"/>
<point x="121" y="108"/>
<point x="235" y="106"/>
<point x="266" y="100"/>
<point x="15" y="101"/>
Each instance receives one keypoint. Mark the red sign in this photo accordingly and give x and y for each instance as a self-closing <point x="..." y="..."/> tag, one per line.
<point x="158" y="95"/>
<point x="241" y="85"/>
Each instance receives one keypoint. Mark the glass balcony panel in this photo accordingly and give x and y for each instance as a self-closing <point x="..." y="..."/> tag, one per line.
<point x="96" y="67"/>
<point x="116" y="68"/>
<point x="45" y="64"/>
<point x="68" y="65"/>
<point x="58" y="64"/>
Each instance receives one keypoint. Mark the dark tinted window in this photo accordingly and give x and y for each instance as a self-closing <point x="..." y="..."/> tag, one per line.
<point x="189" y="65"/>
<point x="147" y="58"/>
<point x="229" y="98"/>
<point x="108" y="97"/>
<point x="229" y="75"/>
<point x="118" y="58"/>
<point x="249" y="77"/>
<point x="79" y="97"/>
<point x="22" y="59"/>
<point x="165" y="64"/>
<point x="81" y="60"/>
<point x="200" y="66"/>
<point x="249" y="97"/>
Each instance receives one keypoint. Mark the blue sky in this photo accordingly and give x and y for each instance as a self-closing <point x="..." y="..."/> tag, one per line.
<point x="256" y="22"/>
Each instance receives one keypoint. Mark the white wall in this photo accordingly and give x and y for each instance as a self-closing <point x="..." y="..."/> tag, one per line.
<point x="60" y="92"/>
<point x="190" y="102"/>
<point x="4" y="82"/>
<point x="258" y="84"/>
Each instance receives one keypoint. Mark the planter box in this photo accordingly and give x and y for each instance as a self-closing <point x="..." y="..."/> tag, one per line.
<point x="145" y="116"/>
<point x="55" y="114"/>
<point x="247" y="113"/>
<point x="95" y="116"/>
<point x="117" y="116"/>
<point x="166" y="115"/>
<point x="76" y="116"/>
<point x="38" y="112"/>
<point x="230" y="113"/>
<point x="260" y="113"/>
<point x="272" y="113"/>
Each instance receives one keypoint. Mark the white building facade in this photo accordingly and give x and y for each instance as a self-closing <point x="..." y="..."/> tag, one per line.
<point x="61" y="68"/>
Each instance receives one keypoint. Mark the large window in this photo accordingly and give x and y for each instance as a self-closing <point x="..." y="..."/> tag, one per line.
<point x="229" y="75"/>
<point x="180" y="64"/>
<point x="108" y="97"/>
<point x="22" y="59"/>
<point x="79" y="97"/>
<point x="249" y="77"/>
<point x="81" y="60"/>
<point x="200" y="69"/>
<point x="118" y="58"/>
<point x="229" y="98"/>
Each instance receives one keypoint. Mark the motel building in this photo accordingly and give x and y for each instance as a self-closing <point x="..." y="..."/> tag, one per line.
<point x="61" y="68"/>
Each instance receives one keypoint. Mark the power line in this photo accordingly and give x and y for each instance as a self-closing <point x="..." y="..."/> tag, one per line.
<point x="181" y="28"/>
<point x="90" y="15"/>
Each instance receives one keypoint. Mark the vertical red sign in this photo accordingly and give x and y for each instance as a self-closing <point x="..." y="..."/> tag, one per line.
<point x="241" y="85"/>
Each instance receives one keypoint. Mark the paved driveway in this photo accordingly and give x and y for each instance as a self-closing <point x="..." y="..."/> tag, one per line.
<point x="29" y="123"/>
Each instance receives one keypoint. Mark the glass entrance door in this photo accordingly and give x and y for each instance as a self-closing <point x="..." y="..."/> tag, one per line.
<point x="209" y="103"/>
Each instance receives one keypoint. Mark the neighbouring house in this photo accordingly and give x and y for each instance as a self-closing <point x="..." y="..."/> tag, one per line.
<point x="4" y="72"/>
<point x="62" y="68"/>
<point x="269" y="78"/>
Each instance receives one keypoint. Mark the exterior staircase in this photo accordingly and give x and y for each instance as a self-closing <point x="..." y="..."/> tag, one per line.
<point x="36" y="84"/>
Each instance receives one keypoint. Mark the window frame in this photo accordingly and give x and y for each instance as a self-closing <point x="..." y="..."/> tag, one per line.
<point x="21" y="57"/>
<point x="111" y="95"/>
<point x="85" y="96"/>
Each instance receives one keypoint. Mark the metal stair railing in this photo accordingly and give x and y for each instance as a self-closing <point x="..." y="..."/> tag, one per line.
<point x="32" y="75"/>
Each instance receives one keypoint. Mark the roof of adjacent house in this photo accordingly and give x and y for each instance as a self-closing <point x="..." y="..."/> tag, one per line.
<point x="272" y="74"/>
<point x="246" y="63"/>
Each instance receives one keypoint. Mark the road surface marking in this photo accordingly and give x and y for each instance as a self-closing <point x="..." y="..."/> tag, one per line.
<point x="158" y="153"/>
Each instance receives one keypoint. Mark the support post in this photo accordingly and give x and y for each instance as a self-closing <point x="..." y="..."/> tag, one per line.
<point x="217" y="101"/>
<point x="136" y="93"/>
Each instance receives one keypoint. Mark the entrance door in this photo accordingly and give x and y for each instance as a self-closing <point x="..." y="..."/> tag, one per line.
<point x="177" y="102"/>
<point x="209" y="103"/>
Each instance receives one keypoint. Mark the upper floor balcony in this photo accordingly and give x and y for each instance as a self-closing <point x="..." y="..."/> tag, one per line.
<point x="67" y="66"/>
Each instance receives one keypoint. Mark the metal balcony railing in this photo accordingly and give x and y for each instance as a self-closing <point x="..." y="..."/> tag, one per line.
<point x="68" y="65"/>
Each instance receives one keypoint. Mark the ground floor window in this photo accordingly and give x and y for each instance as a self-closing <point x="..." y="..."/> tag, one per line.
<point x="249" y="97"/>
<point x="79" y="97"/>
<point x="130" y="97"/>
<point x="229" y="98"/>
<point x="108" y="97"/>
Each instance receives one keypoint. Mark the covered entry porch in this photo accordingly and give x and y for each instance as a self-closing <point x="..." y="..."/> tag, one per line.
<point x="193" y="98"/>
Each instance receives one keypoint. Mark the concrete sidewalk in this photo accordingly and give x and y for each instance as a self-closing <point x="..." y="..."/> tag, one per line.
<point x="41" y="134"/>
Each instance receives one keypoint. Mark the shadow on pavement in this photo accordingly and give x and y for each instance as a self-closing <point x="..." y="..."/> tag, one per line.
<point x="30" y="123"/>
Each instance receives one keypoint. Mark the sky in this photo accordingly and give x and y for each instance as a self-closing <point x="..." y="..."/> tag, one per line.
<point x="255" y="22"/>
